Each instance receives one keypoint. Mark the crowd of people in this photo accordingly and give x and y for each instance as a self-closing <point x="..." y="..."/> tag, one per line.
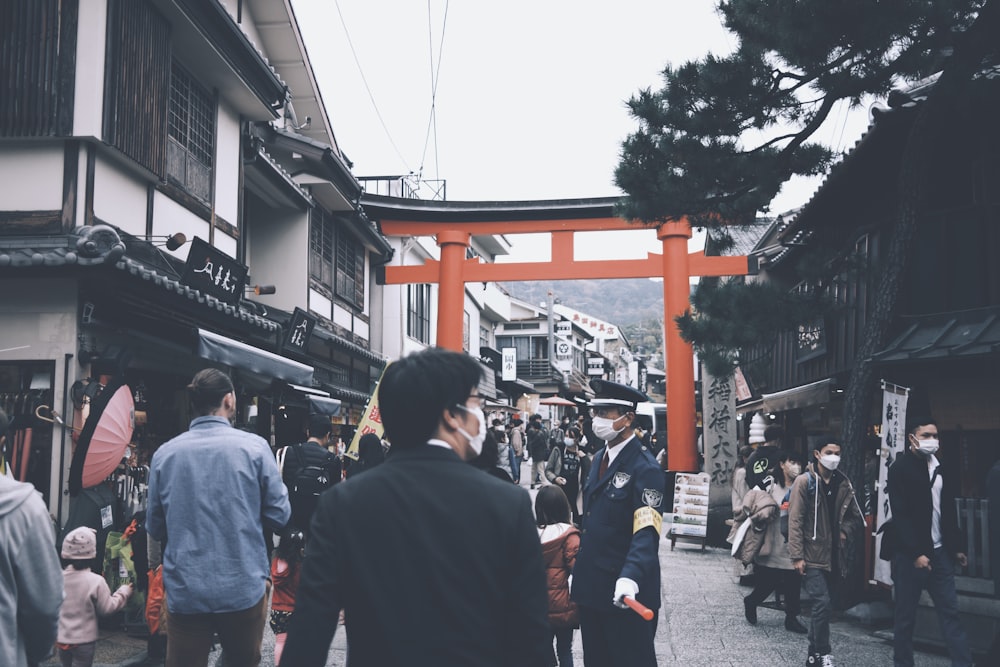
<point x="420" y="553"/>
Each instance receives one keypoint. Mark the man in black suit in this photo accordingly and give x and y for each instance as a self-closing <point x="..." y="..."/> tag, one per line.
<point x="433" y="561"/>
<point x="928" y="541"/>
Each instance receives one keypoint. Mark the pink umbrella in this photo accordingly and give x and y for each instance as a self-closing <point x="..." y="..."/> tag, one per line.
<point x="556" y="400"/>
<point x="104" y="438"/>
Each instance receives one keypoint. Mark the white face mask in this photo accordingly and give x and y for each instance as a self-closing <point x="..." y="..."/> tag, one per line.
<point x="928" y="446"/>
<point x="476" y="441"/>
<point x="793" y="470"/>
<point x="569" y="442"/>
<point x="605" y="428"/>
<point x="830" y="461"/>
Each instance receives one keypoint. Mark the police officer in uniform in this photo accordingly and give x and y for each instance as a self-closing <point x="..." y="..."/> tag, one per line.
<point x="622" y="507"/>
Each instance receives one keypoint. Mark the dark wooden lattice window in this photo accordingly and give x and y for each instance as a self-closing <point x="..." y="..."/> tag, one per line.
<point x="321" y="247"/>
<point x="191" y="134"/>
<point x="350" y="269"/>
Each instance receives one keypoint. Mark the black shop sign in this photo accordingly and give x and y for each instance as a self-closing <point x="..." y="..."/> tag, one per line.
<point x="214" y="272"/>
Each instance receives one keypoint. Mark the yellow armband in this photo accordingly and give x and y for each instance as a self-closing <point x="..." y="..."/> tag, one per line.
<point x="646" y="516"/>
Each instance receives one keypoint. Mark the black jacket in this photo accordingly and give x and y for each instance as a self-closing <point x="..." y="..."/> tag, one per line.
<point x="312" y="454"/>
<point x="433" y="562"/>
<point x="909" y="488"/>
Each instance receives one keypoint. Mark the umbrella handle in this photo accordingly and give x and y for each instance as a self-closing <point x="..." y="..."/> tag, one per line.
<point x="638" y="607"/>
<point x="54" y="417"/>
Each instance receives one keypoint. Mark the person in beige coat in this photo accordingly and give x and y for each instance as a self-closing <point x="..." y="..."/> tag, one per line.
<point x="87" y="596"/>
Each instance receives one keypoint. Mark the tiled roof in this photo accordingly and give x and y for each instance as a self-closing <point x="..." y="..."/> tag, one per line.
<point x="946" y="336"/>
<point x="101" y="245"/>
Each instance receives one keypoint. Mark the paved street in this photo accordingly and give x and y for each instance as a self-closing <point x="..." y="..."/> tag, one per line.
<point x="701" y="624"/>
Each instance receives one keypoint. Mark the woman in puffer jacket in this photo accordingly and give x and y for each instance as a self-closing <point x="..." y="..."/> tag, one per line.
<point x="560" y="544"/>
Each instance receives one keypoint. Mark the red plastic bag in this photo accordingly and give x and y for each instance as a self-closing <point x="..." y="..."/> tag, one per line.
<point x="155" y="600"/>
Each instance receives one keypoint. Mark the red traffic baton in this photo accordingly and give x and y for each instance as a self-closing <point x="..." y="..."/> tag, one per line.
<point x="638" y="607"/>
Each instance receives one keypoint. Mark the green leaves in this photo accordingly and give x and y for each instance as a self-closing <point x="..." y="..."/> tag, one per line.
<point x="722" y="135"/>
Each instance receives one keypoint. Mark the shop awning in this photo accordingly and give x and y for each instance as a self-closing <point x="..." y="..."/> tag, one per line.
<point x="320" y="402"/>
<point x="815" y="393"/>
<point x="252" y="359"/>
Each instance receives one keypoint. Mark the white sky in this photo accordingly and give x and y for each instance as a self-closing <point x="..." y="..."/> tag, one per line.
<point x="530" y="95"/>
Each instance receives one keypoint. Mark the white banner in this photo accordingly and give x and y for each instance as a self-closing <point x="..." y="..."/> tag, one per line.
<point x="893" y="443"/>
<point x="508" y="372"/>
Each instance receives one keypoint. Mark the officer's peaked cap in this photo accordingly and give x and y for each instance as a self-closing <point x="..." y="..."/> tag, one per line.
<point x="613" y="393"/>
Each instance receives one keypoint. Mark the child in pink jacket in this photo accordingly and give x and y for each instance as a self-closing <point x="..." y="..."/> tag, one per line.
<point x="86" y="596"/>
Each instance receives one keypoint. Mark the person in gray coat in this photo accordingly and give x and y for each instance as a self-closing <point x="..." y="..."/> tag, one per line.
<point x="30" y="576"/>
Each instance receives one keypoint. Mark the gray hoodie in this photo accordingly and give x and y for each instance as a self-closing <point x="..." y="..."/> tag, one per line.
<point x="30" y="577"/>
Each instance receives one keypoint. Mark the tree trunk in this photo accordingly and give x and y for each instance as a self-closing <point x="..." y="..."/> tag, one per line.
<point x="913" y="184"/>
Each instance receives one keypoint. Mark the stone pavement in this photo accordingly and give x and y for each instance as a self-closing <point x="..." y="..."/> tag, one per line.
<point x="701" y="624"/>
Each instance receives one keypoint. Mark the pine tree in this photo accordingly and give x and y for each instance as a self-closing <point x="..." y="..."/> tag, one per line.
<point x="725" y="132"/>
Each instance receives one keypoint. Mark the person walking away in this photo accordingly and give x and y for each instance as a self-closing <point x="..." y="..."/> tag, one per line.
<point x="370" y="454"/>
<point x="560" y="544"/>
<point x="538" y="448"/>
<point x="86" y="596"/>
<point x="568" y="467"/>
<point x="427" y="556"/>
<point x="308" y="469"/>
<point x="928" y="542"/>
<point x="215" y="563"/>
<point x="773" y="569"/>
<point x="285" y="570"/>
<point x="30" y="581"/>
<point x="823" y="515"/>
<point x="619" y="545"/>
<point x="516" y="449"/>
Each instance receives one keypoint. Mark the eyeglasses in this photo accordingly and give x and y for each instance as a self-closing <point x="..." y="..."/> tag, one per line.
<point x="605" y="412"/>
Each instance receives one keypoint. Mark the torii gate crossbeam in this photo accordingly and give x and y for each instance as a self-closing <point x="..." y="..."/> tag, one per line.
<point x="453" y="226"/>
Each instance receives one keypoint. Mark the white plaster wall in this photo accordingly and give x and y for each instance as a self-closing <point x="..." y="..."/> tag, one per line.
<point x="170" y="217"/>
<point x="275" y="256"/>
<point x="320" y="304"/>
<point x="119" y="198"/>
<point x="88" y="94"/>
<point x="227" y="164"/>
<point x="343" y="317"/>
<point x="31" y="178"/>
<point x="248" y="24"/>
<point x="225" y="243"/>
<point x="38" y="323"/>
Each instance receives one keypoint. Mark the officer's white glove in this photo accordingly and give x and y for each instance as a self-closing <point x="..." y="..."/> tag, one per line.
<point x="569" y="583"/>
<point x="624" y="586"/>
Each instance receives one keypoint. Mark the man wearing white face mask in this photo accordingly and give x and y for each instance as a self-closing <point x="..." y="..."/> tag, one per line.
<point x="427" y="555"/>
<point x="622" y="516"/>
<point x="823" y="514"/>
<point x="928" y="542"/>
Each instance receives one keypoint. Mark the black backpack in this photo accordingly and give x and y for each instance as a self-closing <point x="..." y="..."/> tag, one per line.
<point x="309" y="480"/>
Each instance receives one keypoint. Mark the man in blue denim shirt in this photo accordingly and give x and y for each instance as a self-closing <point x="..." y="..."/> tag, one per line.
<point x="210" y="491"/>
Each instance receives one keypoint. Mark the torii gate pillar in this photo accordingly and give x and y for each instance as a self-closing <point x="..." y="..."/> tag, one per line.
<point x="679" y="362"/>
<point x="451" y="289"/>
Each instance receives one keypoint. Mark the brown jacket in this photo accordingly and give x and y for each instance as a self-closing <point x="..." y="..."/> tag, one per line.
<point x="810" y="536"/>
<point x="559" y="556"/>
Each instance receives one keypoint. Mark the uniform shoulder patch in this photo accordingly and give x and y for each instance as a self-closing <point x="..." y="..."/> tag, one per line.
<point x="652" y="497"/>
<point x="620" y="479"/>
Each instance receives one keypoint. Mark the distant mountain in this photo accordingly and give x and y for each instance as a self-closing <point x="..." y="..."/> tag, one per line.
<point x="624" y="302"/>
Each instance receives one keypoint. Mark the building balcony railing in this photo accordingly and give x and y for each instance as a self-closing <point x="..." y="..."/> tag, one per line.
<point x="405" y="187"/>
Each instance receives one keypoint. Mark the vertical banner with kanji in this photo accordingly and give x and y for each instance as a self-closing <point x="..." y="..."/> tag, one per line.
<point x="719" y="441"/>
<point x="893" y="444"/>
<point x="371" y="421"/>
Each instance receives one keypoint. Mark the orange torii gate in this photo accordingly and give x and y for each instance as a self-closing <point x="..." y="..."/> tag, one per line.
<point x="454" y="223"/>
